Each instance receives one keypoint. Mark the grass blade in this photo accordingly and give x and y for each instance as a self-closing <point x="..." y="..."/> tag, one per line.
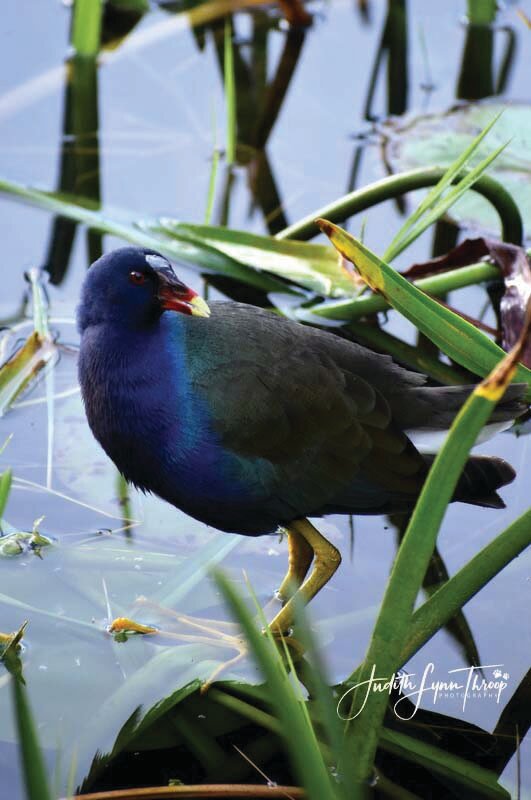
<point x="230" y="92"/>
<point x="33" y="767"/>
<point x="6" y="479"/>
<point x="443" y="204"/>
<point x="465" y="773"/>
<point x="299" y="736"/>
<point x="212" y="185"/>
<point x="435" y="194"/>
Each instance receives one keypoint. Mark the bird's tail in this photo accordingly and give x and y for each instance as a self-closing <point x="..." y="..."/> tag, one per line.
<point x="480" y="479"/>
<point x="435" y="407"/>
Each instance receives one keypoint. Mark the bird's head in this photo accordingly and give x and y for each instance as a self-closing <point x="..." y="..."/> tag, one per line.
<point x="134" y="286"/>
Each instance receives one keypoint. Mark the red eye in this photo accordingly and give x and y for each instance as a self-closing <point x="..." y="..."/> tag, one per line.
<point x="137" y="278"/>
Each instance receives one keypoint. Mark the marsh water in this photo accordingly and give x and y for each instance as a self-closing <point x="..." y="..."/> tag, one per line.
<point x="160" y="116"/>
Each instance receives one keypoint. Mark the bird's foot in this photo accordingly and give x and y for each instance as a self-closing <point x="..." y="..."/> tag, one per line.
<point x="212" y="627"/>
<point x="178" y="627"/>
<point x="213" y="632"/>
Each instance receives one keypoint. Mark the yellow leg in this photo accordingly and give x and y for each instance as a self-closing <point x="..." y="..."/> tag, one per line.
<point x="327" y="560"/>
<point x="300" y="554"/>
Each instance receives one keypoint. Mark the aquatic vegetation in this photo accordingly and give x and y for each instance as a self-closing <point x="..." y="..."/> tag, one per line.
<point x="209" y="131"/>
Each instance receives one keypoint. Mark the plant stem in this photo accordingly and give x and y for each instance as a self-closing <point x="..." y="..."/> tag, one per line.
<point x="223" y="790"/>
<point x="396" y="185"/>
<point x="230" y="92"/>
<point x="86" y="27"/>
<point x="435" y="285"/>
<point x="481" y="12"/>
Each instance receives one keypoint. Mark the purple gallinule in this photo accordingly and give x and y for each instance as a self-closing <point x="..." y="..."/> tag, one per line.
<point x="248" y="421"/>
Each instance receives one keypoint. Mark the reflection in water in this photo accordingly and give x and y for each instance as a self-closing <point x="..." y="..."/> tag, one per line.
<point x="258" y="103"/>
<point x="393" y="49"/>
<point x="80" y="163"/>
<point x="477" y="78"/>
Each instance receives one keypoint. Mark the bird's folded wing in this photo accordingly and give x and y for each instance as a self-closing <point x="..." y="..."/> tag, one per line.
<point x="308" y="425"/>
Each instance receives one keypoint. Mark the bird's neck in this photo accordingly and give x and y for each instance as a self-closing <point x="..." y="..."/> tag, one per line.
<point x="138" y="372"/>
<point x="112" y="353"/>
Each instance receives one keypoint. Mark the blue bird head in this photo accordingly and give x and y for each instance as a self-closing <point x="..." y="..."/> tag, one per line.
<point x="132" y="287"/>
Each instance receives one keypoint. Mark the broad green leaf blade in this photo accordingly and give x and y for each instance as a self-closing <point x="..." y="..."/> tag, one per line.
<point x="256" y="260"/>
<point x="118" y="224"/>
<point x="456" y="337"/>
<point x="145" y="697"/>
<point x="316" y="267"/>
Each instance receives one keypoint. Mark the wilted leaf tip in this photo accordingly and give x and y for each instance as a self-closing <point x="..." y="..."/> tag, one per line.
<point x="326" y="226"/>
<point x="495" y="384"/>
